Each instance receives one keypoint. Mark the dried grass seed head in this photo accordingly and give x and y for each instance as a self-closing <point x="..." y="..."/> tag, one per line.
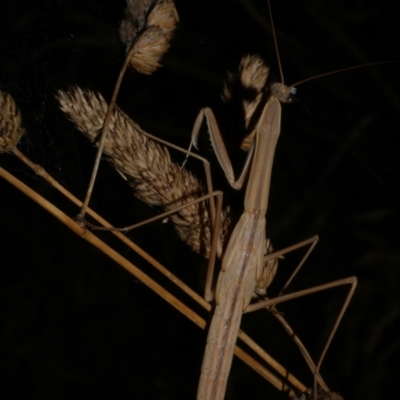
<point x="268" y="272"/>
<point x="10" y="123"/>
<point x="148" y="50"/>
<point x="134" y="21"/>
<point x="164" y="15"/>
<point x="156" y="179"/>
<point x="146" y="31"/>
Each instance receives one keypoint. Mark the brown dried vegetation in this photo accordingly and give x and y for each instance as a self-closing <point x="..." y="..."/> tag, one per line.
<point x="10" y="123"/>
<point x="146" y="31"/>
<point x="156" y="179"/>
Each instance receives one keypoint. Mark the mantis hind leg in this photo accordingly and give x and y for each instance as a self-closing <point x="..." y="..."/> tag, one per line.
<point x="271" y="303"/>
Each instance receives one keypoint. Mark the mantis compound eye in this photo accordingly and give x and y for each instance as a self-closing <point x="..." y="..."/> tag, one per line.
<point x="285" y="94"/>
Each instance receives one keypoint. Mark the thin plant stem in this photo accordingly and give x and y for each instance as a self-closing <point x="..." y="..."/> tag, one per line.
<point x="135" y="271"/>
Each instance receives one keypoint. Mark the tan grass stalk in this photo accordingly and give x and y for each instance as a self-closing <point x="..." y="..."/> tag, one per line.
<point x="167" y="296"/>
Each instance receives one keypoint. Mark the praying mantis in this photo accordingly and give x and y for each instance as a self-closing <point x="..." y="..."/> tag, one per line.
<point x="243" y="262"/>
<point x="53" y="90"/>
<point x="246" y="268"/>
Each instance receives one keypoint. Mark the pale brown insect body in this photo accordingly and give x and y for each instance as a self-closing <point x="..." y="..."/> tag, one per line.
<point x="243" y="261"/>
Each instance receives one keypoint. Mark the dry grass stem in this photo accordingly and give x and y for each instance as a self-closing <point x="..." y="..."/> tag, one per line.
<point x="146" y="45"/>
<point x="167" y="296"/>
<point x="39" y="170"/>
<point x="146" y="31"/>
<point x="156" y="179"/>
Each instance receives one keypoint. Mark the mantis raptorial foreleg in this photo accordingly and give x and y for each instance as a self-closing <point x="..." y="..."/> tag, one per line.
<point x="219" y="147"/>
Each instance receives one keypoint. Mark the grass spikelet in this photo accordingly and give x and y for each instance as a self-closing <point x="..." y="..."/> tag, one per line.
<point x="10" y="123"/>
<point x="156" y="179"/>
<point x="146" y="31"/>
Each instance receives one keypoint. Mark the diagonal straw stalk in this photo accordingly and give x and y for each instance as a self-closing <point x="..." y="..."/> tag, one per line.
<point x="10" y="133"/>
<point x="167" y="296"/>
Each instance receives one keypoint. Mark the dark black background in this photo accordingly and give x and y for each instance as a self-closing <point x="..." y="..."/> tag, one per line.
<point x="74" y="324"/>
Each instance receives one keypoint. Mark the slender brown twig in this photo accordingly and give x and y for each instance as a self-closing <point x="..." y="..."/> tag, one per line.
<point x="147" y="30"/>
